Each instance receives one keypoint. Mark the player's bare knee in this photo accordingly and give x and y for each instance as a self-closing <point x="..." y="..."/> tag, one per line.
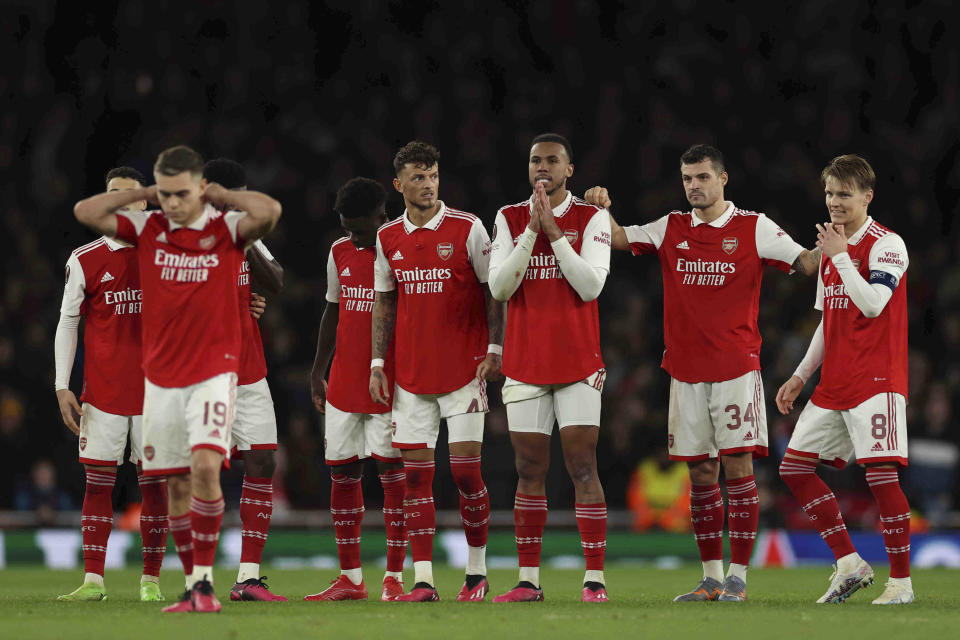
<point x="704" y="471"/>
<point x="739" y="465"/>
<point x="583" y="471"/>
<point x="532" y="469"/>
<point x="351" y="470"/>
<point x="260" y="464"/>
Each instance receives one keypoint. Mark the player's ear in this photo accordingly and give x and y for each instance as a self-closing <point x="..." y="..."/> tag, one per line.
<point x="723" y="178"/>
<point x="397" y="185"/>
<point x="569" y="171"/>
<point x="203" y="184"/>
<point x="868" y="197"/>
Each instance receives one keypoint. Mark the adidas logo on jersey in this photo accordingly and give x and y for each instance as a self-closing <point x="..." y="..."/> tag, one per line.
<point x="106" y="277"/>
<point x="683" y="245"/>
<point x="346" y="272"/>
<point x="877" y="447"/>
<point x="162" y="236"/>
<point x="397" y="255"/>
<point x="749" y="436"/>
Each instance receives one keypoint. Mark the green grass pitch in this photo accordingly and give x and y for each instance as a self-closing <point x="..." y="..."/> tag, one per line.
<point x="780" y="606"/>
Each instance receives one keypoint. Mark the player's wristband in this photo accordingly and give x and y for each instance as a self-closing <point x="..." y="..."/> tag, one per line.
<point x="495" y="348"/>
<point x="376" y="362"/>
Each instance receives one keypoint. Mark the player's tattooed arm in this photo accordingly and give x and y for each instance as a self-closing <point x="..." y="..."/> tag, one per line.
<point x="326" y="343"/>
<point x="384" y="320"/>
<point x="600" y="197"/>
<point x="807" y="262"/>
<point x="267" y="274"/>
<point x="489" y="368"/>
<point x="99" y="212"/>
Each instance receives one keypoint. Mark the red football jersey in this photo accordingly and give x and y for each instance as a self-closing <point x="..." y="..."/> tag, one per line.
<point x="191" y="329"/>
<point x="545" y="304"/>
<point x="863" y="356"/>
<point x="438" y="269"/>
<point x="711" y="288"/>
<point x="103" y="285"/>
<point x="253" y="364"/>
<point x="350" y="284"/>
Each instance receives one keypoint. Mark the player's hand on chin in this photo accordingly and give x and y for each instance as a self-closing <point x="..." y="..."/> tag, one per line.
<point x="787" y="393"/>
<point x="542" y="208"/>
<point x="831" y="239"/>
<point x="489" y="369"/>
<point x="70" y="410"/>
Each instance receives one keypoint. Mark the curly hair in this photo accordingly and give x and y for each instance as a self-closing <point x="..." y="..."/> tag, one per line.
<point x="359" y="197"/>
<point x="417" y="153"/>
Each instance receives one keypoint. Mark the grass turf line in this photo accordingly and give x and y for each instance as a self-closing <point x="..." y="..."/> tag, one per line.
<point x="781" y="605"/>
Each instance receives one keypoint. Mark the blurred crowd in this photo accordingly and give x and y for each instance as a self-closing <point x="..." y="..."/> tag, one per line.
<point x="307" y="95"/>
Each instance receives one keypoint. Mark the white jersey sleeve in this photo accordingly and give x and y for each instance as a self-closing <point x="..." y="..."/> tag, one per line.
<point x="818" y="305"/>
<point x="232" y="219"/>
<point x="587" y="271"/>
<point x="383" y="279"/>
<point x="888" y="261"/>
<point x="138" y="219"/>
<point x="773" y="243"/>
<point x="74" y="291"/>
<point x="508" y="263"/>
<point x="647" y="238"/>
<point x="478" y="250"/>
<point x="262" y="248"/>
<point x="333" y="280"/>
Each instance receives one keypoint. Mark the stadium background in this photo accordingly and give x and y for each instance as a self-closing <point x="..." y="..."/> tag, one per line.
<point x="307" y="95"/>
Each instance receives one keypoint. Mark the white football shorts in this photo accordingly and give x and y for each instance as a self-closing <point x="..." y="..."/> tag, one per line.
<point x="103" y="437"/>
<point x="533" y="408"/>
<point x="417" y="416"/>
<point x="178" y="420"/>
<point x="349" y="437"/>
<point x="255" y="425"/>
<point x="710" y="419"/>
<point x="875" y="431"/>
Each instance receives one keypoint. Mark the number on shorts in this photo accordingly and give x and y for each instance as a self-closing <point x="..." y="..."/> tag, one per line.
<point x="219" y="413"/>
<point x="735" y="416"/>
<point x="879" y="422"/>
<point x="748" y="416"/>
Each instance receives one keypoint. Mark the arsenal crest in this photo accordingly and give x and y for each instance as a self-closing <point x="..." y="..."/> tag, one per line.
<point x="148" y="452"/>
<point x="206" y="243"/>
<point x="571" y="235"/>
<point x="445" y="250"/>
<point x="729" y="245"/>
<point x="83" y="443"/>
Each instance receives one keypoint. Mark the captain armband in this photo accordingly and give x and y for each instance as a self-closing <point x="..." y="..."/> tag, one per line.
<point x="884" y="278"/>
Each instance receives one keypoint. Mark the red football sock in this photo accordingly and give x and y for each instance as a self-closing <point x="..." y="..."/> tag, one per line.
<point x="818" y="502"/>
<point x="153" y="522"/>
<point x="474" y="499"/>
<point x="346" y="507"/>
<point x="183" y="540"/>
<point x="96" y="518"/>
<point x="205" y="519"/>
<point x="894" y="517"/>
<point x="393" y="487"/>
<point x="256" y="510"/>
<point x="743" y="516"/>
<point x="706" y="514"/>
<point x="592" y="523"/>
<point x="419" y="511"/>
<point x="529" y="518"/>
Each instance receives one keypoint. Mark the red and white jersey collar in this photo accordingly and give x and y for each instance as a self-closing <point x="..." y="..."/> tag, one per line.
<point x="560" y="209"/>
<point x="431" y="224"/>
<point x="209" y="212"/>
<point x="862" y="231"/>
<point x="696" y="221"/>
<point x="114" y="245"/>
